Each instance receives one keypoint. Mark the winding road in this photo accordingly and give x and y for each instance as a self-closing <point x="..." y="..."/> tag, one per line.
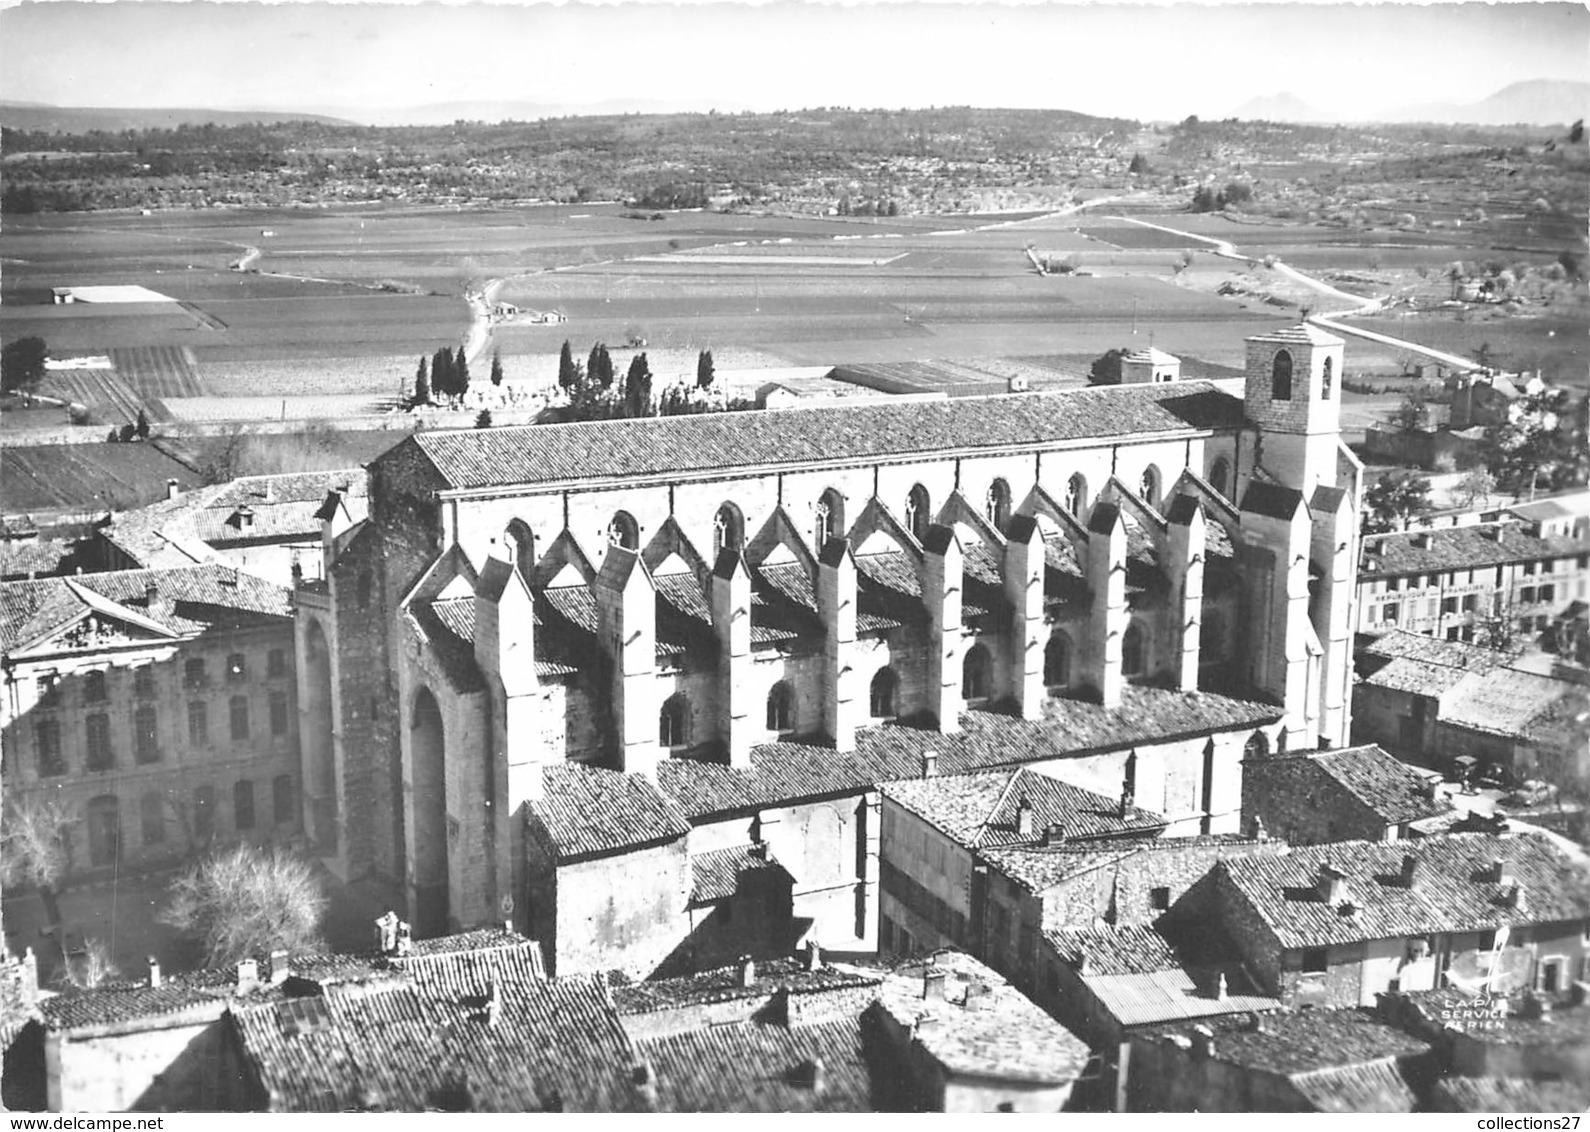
<point x="1359" y="305"/>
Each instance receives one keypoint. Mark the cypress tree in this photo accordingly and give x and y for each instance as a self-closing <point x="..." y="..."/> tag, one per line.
<point x="566" y="373"/>
<point x="496" y="367"/>
<point x="637" y="388"/>
<point x="704" y="370"/>
<point x="442" y="372"/>
<point x="422" y="384"/>
<point x="460" y="374"/>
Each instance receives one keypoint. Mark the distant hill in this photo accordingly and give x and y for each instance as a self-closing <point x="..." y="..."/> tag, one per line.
<point x="82" y="119"/>
<point x="1536" y="102"/>
<point x="445" y="113"/>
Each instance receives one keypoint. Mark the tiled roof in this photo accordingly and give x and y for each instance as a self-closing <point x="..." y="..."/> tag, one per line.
<point x="189" y="600"/>
<point x="790" y="770"/>
<point x="621" y="451"/>
<point x="980" y="810"/>
<point x="1388" y="786"/>
<point x="589" y="811"/>
<point x="1400" y="661"/>
<point x="552" y="1045"/>
<point x="1152" y="356"/>
<point x="1304" y="333"/>
<point x="1152" y="998"/>
<point x="1376" y="1086"/>
<point x="1124" y="949"/>
<point x="763" y="1067"/>
<point x="722" y="984"/>
<point x="1503" y="702"/>
<point x="1037" y="869"/>
<point x="1492" y="1095"/>
<point x="1454" y="889"/>
<point x="783" y="606"/>
<point x="1460" y="548"/>
<point x="38" y="557"/>
<point x="444" y="625"/>
<point x="982" y="1026"/>
<point x="1562" y="1026"/>
<point x="716" y="874"/>
<point x="1305" y="1042"/>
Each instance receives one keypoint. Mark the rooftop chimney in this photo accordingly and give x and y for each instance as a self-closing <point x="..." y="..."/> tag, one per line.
<point x="1128" y="799"/>
<point x="1203" y="1041"/>
<point x="930" y="764"/>
<point x="151" y="593"/>
<point x="1422" y="540"/>
<point x="278" y="967"/>
<point x="643" y="1079"/>
<point x="1331" y="884"/>
<point x="1220" y="987"/>
<point x="747" y="971"/>
<point x="247" y="976"/>
<point x="817" y="1075"/>
<point x="493" y="1004"/>
<point x="933" y="985"/>
<point x="173" y="489"/>
<point x="386" y="933"/>
<point x="1500" y="873"/>
<point x="1492" y="531"/>
<point x="1023" y="817"/>
<point x="154" y="973"/>
<point x="1515" y="898"/>
<point x="1054" y="834"/>
<point x="814" y="956"/>
<point x="1410" y="870"/>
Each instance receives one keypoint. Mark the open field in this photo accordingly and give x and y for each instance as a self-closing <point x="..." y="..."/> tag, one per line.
<point x="86" y="477"/>
<point x="1556" y="345"/>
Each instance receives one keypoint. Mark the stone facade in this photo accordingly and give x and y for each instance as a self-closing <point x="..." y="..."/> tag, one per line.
<point x="692" y="607"/>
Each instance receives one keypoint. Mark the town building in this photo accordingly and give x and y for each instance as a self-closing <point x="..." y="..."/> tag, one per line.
<point x="1342" y="923"/>
<point x="1349" y="794"/>
<point x="151" y="712"/>
<point x="1347" y="1060"/>
<point x="1511" y="576"/>
<point x="1523" y="1035"/>
<point x="1457" y="706"/>
<point x="769" y="614"/>
<point x="269" y="526"/>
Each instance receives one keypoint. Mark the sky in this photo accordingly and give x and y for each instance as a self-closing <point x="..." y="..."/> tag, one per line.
<point x="1149" y="61"/>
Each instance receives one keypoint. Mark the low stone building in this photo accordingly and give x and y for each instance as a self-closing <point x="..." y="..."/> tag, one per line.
<point x="1340" y="924"/>
<point x="155" y="710"/>
<point x="1351" y="794"/>
<point x="1315" y="1061"/>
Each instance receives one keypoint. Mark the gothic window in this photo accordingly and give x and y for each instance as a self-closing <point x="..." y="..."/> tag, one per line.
<point x="1281" y="377"/>
<point x="976" y="674"/>
<point x="728" y="530"/>
<point x="521" y="546"/>
<point x="885" y="687"/>
<point x="1148" y="486"/>
<point x="780" y="708"/>
<point x="996" y="505"/>
<point x="99" y="752"/>
<point x="1057" y="661"/>
<point x="830" y="518"/>
<point x="1257" y="746"/>
<point x="624" y="531"/>
<point x="1325" y="382"/>
<point x="1132" y="658"/>
<point x="146" y="735"/>
<point x="243" y="805"/>
<point x="1219" y="475"/>
<point x="672" y="722"/>
<point x="918" y="512"/>
<point x="1077" y="496"/>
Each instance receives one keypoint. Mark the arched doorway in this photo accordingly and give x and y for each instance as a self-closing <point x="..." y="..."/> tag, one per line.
<point x="319" y="757"/>
<point x="428" y="754"/>
<point x="977" y="675"/>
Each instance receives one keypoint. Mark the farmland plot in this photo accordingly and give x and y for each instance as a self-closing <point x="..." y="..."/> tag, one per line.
<point x="86" y="477"/>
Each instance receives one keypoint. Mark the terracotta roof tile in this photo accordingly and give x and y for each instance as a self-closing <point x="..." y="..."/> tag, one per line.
<point x="763" y="1067"/>
<point x="1461" y="548"/>
<point x="1388" y="786"/>
<point x="716" y="874"/>
<point x="625" y="450"/>
<point x="1494" y="1095"/>
<point x="589" y="811"/>
<point x="1305" y="1042"/>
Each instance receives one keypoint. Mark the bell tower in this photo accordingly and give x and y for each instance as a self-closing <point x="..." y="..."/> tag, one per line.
<point x="1293" y="393"/>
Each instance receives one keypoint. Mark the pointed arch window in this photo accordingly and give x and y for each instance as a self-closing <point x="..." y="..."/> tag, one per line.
<point x="624" y="531"/>
<point x="1327" y="374"/>
<point x="885" y="689"/>
<point x="1148" y="486"/>
<point x="996" y="505"/>
<point x="1219" y="475"/>
<point x="1133" y="659"/>
<point x="781" y="708"/>
<point x="1281" y="377"/>
<point x="673" y="722"/>
<point x="918" y="512"/>
<point x="830" y="518"/>
<point x="976" y="674"/>
<point x="728" y="530"/>
<point x="1077" y="495"/>
<point x="520" y="544"/>
<point x="1057" y="661"/>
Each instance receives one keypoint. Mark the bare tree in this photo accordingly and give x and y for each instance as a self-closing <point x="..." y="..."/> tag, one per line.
<point x="1476" y="487"/>
<point x="244" y="901"/>
<point x="34" y="849"/>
